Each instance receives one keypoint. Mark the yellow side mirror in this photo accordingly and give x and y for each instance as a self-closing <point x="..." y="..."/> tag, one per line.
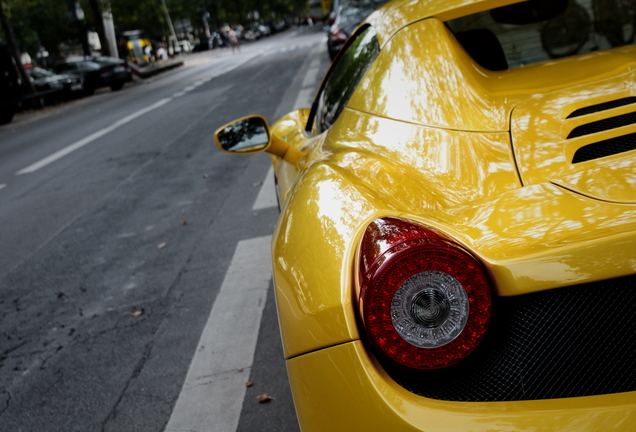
<point x="246" y="135"/>
<point x="252" y="135"/>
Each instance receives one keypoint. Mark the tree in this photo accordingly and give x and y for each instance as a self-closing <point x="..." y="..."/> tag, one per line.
<point x="98" y="16"/>
<point x="15" y="52"/>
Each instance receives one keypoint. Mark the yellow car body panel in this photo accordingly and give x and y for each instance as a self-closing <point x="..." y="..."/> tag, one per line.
<point x="543" y="237"/>
<point x="428" y="165"/>
<point x="342" y="388"/>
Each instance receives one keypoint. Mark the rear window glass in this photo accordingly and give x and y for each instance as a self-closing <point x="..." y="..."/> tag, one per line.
<point x="540" y="30"/>
<point x="345" y="74"/>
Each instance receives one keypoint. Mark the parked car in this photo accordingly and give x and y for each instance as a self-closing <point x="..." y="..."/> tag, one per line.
<point x="457" y="238"/>
<point x="98" y="71"/>
<point x="56" y="87"/>
<point x="251" y="34"/>
<point x="11" y="91"/>
<point x="347" y="16"/>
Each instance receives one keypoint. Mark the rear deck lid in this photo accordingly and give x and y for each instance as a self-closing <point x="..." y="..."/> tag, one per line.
<point x="582" y="138"/>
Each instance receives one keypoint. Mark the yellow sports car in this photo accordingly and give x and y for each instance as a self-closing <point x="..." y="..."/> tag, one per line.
<point x="456" y="249"/>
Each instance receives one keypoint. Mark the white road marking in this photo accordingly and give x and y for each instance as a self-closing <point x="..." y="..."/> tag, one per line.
<point x="267" y="195"/>
<point x="212" y="395"/>
<point x="3" y="185"/>
<point x="81" y="143"/>
<point x="312" y="75"/>
<point x="305" y="97"/>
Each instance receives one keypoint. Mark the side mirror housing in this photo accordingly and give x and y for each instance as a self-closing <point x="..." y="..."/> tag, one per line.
<point x="245" y="135"/>
<point x="252" y="135"/>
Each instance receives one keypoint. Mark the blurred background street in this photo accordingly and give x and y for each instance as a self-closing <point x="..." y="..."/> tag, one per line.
<point x="121" y="223"/>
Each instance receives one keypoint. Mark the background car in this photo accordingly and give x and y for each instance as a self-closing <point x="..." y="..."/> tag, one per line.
<point x="347" y="15"/>
<point x="455" y="249"/>
<point x="98" y="71"/>
<point x="55" y="87"/>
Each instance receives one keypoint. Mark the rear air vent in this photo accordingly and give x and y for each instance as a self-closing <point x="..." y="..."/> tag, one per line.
<point x="603" y="106"/>
<point x="603" y="125"/>
<point x="605" y="148"/>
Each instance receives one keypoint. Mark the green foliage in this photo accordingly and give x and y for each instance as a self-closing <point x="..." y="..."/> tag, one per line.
<point x="39" y="21"/>
<point x="47" y="22"/>
<point x="146" y="15"/>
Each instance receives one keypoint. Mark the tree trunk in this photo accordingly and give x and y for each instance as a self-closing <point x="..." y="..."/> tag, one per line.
<point x="15" y="52"/>
<point x="99" y="26"/>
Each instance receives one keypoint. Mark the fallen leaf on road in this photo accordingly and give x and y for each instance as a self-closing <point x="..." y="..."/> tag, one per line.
<point x="249" y="384"/>
<point x="257" y="184"/>
<point x="206" y="175"/>
<point x="137" y="312"/>
<point x="161" y="245"/>
<point x="184" y="223"/>
<point x="264" y="398"/>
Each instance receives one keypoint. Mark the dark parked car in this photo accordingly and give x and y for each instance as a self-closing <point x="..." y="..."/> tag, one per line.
<point x="97" y="71"/>
<point x="348" y="15"/>
<point x="56" y="87"/>
<point x="10" y="86"/>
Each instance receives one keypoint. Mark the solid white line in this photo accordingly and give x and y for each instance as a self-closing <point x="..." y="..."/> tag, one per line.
<point x="212" y="395"/>
<point x="267" y="195"/>
<point x="81" y="143"/>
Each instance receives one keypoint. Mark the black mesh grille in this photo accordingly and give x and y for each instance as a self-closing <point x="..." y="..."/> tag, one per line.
<point x="570" y="342"/>
<point x="604" y="148"/>
<point x="603" y="107"/>
<point x="603" y="125"/>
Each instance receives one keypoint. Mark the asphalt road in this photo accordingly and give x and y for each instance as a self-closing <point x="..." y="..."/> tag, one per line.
<point x="126" y="238"/>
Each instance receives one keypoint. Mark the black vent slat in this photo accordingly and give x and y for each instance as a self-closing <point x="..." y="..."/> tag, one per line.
<point x="603" y="125"/>
<point x="603" y="106"/>
<point x="605" y="148"/>
<point x="569" y="342"/>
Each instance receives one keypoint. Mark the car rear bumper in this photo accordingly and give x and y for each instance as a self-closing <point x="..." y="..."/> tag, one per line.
<point x="343" y="388"/>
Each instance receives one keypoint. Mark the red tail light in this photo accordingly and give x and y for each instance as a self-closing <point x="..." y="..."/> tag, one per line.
<point x="339" y="36"/>
<point x="425" y="302"/>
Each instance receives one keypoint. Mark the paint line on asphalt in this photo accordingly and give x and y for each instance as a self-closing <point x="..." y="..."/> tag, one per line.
<point x="212" y="395"/>
<point x="3" y="185"/>
<point x="305" y="97"/>
<point x="312" y="76"/>
<point x="89" y="139"/>
<point x="267" y="195"/>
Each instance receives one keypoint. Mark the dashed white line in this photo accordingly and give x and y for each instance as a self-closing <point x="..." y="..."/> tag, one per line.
<point x="267" y="195"/>
<point x="212" y="395"/>
<point x="305" y="96"/>
<point x="81" y="143"/>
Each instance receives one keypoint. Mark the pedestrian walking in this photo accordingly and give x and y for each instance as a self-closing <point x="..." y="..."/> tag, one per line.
<point x="234" y="43"/>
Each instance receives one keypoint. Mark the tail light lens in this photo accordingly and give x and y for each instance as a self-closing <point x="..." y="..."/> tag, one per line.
<point x="105" y="71"/>
<point x="424" y="301"/>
